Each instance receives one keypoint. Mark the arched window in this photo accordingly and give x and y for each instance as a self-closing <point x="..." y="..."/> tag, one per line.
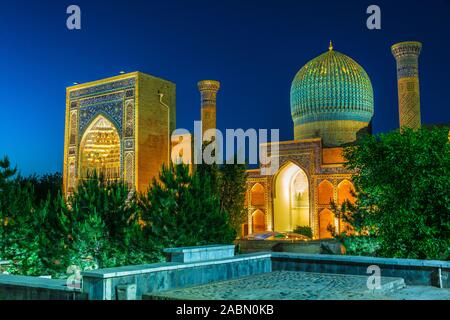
<point x="258" y="221"/>
<point x="326" y="221"/>
<point x="345" y="191"/>
<point x="325" y="191"/>
<point x="257" y="195"/>
<point x="244" y="229"/>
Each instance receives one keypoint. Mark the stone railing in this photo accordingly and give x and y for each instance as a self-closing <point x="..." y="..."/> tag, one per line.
<point x="4" y="264"/>
<point x="131" y="282"/>
<point x="202" y="253"/>
<point x="414" y="272"/>
<point x="34" y="288"/>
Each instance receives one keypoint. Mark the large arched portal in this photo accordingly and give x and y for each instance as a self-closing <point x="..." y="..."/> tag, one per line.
<point x="291" y="201"/>
<point x="100" y="150"/>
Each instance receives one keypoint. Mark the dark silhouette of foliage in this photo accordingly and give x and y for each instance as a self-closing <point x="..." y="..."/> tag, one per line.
<point x="104" y="223"/>
<point x="402" y="182"/>
<point x="181" y="209"/>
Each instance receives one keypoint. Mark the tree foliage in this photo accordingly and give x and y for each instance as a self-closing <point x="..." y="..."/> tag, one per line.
<point x="232" y="187"/>
<point x="182" y="209"/>
<point x="104" y="223"/>
<point x="402" y="184"/>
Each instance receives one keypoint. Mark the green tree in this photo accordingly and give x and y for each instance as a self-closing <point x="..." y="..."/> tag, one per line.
<point x="102" y="224"/>
<point x="6" y="172"/>
<point x="44" y="186"/>
<point x="181" y="209"/>
<point x="9" y="197"/>
<point x="102" y="214"/>
<point x="232" y="187"/>
<point x="402" y="182"/>
<point x="19" y="240"/>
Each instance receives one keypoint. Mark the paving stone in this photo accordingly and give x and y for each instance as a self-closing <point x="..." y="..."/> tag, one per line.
<point x="286" y="285"/>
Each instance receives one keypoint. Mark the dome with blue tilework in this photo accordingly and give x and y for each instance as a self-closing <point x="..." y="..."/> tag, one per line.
<point x="331" y="98"/>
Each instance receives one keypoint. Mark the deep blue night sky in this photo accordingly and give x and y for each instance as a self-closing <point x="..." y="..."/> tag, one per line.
<point x="253" y="47"/>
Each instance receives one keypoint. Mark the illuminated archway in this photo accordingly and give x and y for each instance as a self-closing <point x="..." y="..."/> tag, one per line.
<point x="257" y="195"/>
<point x="258" y="221"/>
<point x="100" y="150"/>
<point x="291" y="198"/>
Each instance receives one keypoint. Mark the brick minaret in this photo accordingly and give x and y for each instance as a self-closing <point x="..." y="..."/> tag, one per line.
<point x="208" y="90"/>
<point x="407" y="56"/>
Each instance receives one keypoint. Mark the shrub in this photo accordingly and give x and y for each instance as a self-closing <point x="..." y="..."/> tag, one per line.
<point x="304" y="230"/>
<point x="361" y="245"/>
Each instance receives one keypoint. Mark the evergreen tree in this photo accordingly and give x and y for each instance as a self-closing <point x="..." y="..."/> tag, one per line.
<point x="103" y="225"/>
<point x="19" y="239"/>
<point x="181" y="210"/>
<point x="228" y="183"/>
<point x="232" y="193"/>
<point x="102" y="214"/>
<point x="44" y="186"/>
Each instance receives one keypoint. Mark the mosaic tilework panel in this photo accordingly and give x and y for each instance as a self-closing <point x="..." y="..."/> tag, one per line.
<point x="408" y="67"/>
<point x="103" y="88"/>
<point x="331" y="87"/>
<point x="112" y="109"/>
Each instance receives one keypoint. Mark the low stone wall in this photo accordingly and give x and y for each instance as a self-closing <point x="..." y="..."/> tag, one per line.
<point x="34" y="288"/>
<point x="4" y="264"/>
<point x="201" y="253"/>
<point x="311" y="247"/>
<point x="415" y="272"/>
<point x="132" y="282"/>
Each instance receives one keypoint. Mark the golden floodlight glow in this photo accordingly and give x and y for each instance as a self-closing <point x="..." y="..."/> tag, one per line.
<point x="291" y="204"/>
<point x="100" y="149"/>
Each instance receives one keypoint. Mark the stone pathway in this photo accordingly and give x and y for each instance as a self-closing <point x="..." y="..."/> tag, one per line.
<point x="293" y="285"/>
<point x="421" y="293"/>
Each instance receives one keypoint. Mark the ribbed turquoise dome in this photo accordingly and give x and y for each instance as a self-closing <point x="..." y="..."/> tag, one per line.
<point x="331" y="87"/>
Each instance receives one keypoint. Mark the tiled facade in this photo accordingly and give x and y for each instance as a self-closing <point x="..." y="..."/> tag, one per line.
<point x="321" y="166"/>
<point x="138" y="109"/>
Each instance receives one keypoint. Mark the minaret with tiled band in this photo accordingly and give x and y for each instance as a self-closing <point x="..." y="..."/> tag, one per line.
<point x="208" y="90"/>
<point x="407" y="56"/>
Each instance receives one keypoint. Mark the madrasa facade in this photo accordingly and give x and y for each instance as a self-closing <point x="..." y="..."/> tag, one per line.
<point x="122" y="127"/>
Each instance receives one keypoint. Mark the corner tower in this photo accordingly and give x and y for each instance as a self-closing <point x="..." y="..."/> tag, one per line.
<point x="407" y="56"/>
<point x="208" y="90"/>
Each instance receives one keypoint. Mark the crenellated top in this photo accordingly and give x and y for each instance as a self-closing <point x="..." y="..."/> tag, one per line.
<point x="208" y="90"/>
<point x="406" y="48"/>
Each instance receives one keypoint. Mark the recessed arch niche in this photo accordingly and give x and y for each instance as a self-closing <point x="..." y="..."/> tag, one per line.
<point x="291" y="198"/>
<point x="100" y="149"/>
